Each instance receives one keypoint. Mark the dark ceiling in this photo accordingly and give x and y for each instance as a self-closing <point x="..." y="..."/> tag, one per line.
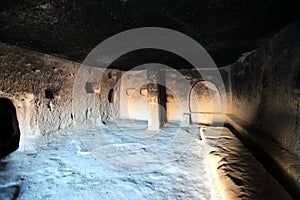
<point x="72" y="28"/>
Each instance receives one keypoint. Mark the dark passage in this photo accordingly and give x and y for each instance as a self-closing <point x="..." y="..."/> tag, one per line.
<point x="9" y="128"/>
<point x="111" y="96"/>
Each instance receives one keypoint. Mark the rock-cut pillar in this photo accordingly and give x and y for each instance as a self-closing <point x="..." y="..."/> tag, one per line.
<point x="156" y="99"/>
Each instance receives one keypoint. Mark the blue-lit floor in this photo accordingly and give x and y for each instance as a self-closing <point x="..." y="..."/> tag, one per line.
<point x="67" y="166"/>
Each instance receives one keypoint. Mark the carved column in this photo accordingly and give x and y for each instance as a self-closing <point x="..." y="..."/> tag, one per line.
<point x="156" y="99"/>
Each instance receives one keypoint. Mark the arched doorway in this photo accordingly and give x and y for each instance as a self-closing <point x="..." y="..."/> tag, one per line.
<point x="204" y="102"/>
<point x="9" y="127"/>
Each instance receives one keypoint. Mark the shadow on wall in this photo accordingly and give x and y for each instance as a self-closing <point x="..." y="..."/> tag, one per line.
<point x="9" y="128"/>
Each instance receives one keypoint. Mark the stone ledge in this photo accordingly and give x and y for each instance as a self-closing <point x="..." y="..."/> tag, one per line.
<point x="282" y="164"/>
<point x="238" y="173"/>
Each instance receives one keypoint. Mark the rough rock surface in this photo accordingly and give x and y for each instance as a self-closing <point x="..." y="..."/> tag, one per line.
<point x="279" y="162"/>
<point x="62" y="168"/>
<point x="72" y="28"/>
<point x="240" y="176"/>
<point x="9" y="192"/>
<point x="265" y="88"/>
<point x="40" y="87"/>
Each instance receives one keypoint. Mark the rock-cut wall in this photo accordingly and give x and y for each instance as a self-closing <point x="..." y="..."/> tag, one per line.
<point x="266" y="88"/>
<point x="40" y="86"/>
<point x="41" y="89"/>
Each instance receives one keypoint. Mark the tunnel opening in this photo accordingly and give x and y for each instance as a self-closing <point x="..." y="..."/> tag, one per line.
<point x="9" y="128"/>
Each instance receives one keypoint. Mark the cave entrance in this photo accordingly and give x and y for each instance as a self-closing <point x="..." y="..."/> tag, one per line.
<point x="9" y="127"/>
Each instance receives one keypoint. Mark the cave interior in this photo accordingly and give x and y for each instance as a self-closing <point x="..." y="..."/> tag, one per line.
<point x="207" y="106"/>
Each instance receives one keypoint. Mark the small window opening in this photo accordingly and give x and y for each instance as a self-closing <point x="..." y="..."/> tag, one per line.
<point x="111" y="96"/>
<point x="49" y="94"/>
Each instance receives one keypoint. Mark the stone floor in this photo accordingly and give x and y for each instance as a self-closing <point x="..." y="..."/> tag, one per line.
<point x="124" y="160"/>
<point x="165" y="165"/>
